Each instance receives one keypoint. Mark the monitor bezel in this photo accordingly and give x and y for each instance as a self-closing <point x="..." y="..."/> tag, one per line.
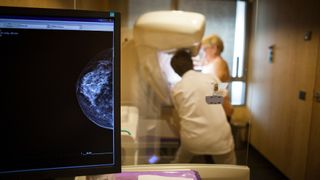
<point x="71" y="13"/>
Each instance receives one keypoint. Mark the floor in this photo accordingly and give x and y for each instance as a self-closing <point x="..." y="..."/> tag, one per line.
<point x="260" y="167"/>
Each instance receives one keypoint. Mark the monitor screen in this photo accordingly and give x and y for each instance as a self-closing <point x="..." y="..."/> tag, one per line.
<point x="60" y="110"/>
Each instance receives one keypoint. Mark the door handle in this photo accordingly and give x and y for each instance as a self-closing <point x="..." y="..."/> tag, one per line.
<point x="317" y="96"/>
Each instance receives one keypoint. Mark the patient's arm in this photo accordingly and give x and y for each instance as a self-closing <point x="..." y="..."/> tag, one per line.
<point x="227" y="106"/>
<point x="221" y="70"/>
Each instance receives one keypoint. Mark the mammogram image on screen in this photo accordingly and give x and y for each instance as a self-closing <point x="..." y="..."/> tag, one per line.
<point x="94" y="90"/>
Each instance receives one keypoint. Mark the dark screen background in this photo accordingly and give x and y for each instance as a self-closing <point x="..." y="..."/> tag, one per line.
<point x="42" y="124"/>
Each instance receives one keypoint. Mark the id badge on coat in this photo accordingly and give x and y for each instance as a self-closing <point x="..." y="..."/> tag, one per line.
<point x="219" y="92"/>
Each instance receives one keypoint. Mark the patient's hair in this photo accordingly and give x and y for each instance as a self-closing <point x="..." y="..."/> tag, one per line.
<point x="181" y="62"/>
<point x="213" y="39"/>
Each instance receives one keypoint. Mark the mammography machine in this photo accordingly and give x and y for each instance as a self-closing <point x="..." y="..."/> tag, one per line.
<point x="145" y="86"/>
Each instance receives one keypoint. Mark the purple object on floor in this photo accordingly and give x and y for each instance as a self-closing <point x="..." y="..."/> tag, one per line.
<point x="188" y="174"/>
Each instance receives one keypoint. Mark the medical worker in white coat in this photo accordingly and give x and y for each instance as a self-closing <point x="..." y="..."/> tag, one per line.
<point x="203" y="128"/>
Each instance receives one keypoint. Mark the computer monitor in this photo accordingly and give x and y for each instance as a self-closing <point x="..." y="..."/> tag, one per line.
<point x="60" y="92"/>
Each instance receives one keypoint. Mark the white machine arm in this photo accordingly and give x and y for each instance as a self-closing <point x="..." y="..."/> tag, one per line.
<point x="165" y="30"/>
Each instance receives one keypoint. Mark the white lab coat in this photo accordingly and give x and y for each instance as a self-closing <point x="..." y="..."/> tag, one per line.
<point x="203" y="127"/>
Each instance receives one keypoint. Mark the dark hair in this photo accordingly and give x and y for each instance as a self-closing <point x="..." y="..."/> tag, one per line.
<point x="181" y="62"/>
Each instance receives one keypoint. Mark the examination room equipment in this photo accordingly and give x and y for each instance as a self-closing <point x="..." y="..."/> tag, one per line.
<point x="61" y="111"/>
<point x="155" y="36"/>
<point x="145" y="61"/>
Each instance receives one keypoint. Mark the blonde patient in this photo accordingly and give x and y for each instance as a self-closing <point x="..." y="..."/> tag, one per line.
<point x="214" y="64"/>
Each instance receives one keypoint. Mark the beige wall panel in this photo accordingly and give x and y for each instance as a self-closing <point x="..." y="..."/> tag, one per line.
<point x="260" y="83"/>
<point x="92" y="4"/>
<point x="129" y="73"/>
<point x="68" y="4"/>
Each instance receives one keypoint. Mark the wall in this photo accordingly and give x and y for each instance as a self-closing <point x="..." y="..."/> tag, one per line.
<point x="280" y="121"/>
<point x="43" y="4"/>
<point x="72" y="4"/>
<point x="220" y="20"/>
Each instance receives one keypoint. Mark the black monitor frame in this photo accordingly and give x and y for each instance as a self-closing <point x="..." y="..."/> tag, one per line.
<point x="70" y="172"/>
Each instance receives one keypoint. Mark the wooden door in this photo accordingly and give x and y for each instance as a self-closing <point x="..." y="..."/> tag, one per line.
<point x="313" y="161"/>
